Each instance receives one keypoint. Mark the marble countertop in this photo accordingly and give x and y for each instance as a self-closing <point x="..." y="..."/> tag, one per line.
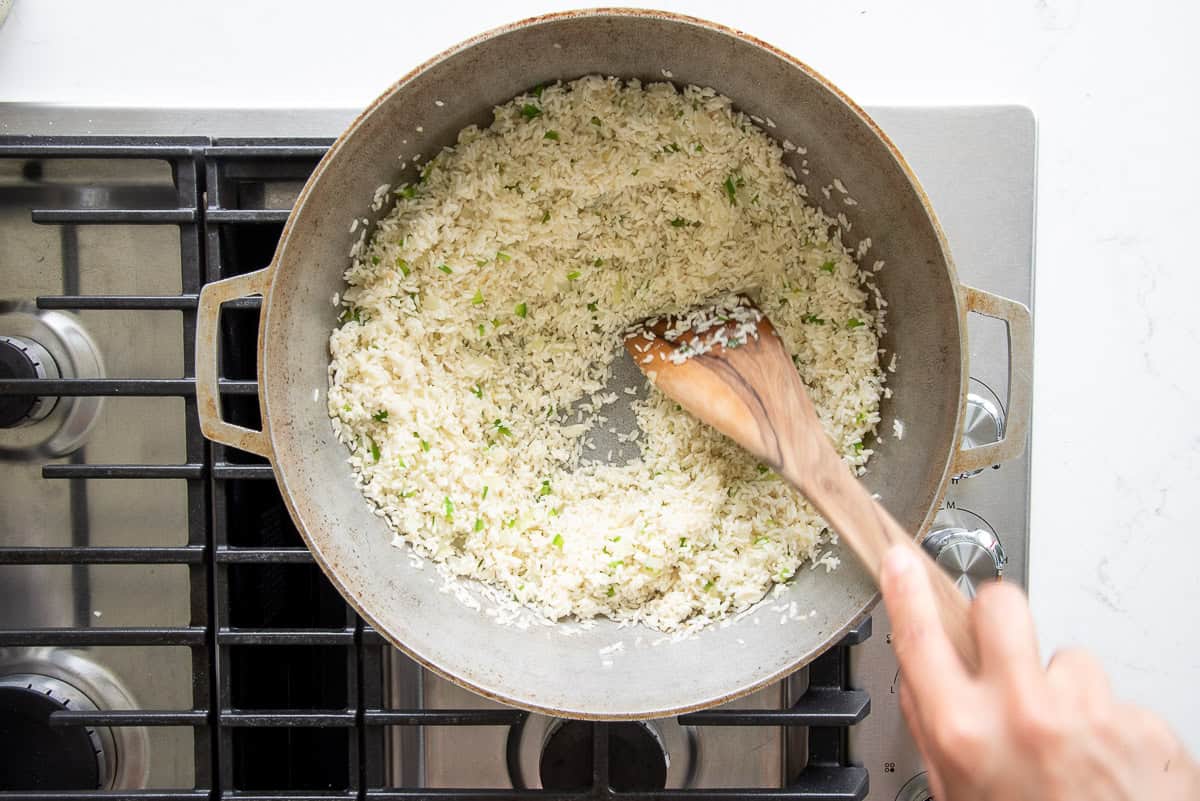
<point x="1116" y="461"/>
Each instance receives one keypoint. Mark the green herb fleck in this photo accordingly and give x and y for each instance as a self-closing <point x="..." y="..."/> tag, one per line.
<point x="403" y="265"/>
<point x="595" y="120"/>
<point x="860" y="418"/>
<point x="408" y="191"/>
<point x="556" y="511"/>
<point x="598" y="262"/>
<point x="635" y="172"/>
<point x="400" y="461"/>
<point x="730" y="190"/>
<point x="479" y="524"/>
<point x="481" y="262"/>
<point x="537" y="91"/>
<point x="530" y="111"/>
<point x="679" y="222"/>
<point x="380" y="416"/>
<point x="812" y="318"/>
<point x="375" y="260"/>
<point x="593" y="306"/>
<point x="481" y="331"/>
<point x="477" y="299"/>
<point x="854" y="322"/>
<point x="760" y="540"/>
<point x="617" y="563"/>
<point x="762" y="469"/>
<point x="552" y="135"/>
<point x="858" y="447"/>
<point x="557" y="541"/>
<point x="483" y="494"/>
<point x="502" y="256"/>
<point x="610" y="592"/>
<point x="708" y="585"/>
<point x="574" y="275"/>
<point x="546" y="216"/>
<point x="374" y="450"/>
<point x="683" y="542"/>
<point x="445" y="269"/>
<point x="671" y="148"/>
<point x="699" y="148"/>
<point x="828" y="267"/>
<point x="448" y="505"/>
<point x="545" y="490"/>
<point x="502" y="429"/>
<point x="521" y="310"/>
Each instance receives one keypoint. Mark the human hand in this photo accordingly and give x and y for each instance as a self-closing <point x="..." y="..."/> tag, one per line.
<point x="1013" y="730"/>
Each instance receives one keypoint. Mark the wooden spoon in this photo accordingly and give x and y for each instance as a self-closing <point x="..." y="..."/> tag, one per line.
<point x="728" y="367"/>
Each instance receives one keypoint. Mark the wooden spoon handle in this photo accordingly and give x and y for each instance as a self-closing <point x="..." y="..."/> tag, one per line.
<point x="871" y="531"/>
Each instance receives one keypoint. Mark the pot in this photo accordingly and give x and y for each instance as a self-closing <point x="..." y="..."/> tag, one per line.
<point x="541" y="668"/>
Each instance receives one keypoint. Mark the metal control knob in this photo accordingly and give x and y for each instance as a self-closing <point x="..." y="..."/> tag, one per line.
<point x="983" y="420"/>
<point x="967" y="548"/>
<point x="916" y="789"/>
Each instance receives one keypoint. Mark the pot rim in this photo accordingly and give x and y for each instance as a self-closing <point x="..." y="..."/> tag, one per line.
<point x="601" y="12"/>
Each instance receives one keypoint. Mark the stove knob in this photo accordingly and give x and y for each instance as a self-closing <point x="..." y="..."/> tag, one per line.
<point x="916" y="789"/>
<point x="44" y="756"/>
<point x="24" y="358"/>
<point x="983" y="421"/>
<point x="967" y="548"/>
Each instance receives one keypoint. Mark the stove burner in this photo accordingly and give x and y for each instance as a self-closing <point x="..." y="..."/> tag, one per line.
<point x="24" y="358"/>
<point x="637" y="759"/>
<point x="47" y="345"/>
<point x="41" y="756"/>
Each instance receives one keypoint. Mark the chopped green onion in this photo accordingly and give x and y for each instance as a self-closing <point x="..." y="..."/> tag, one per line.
<point x="408" y="191"/>
<point x="557" y="541"/>
<point x="545" y="216"/>
<point x="400" y="461"/>
<point x="671" y="148"/>
<point x="762" y="469"/>
<point x="592" y="306"/>
<point x="479" y="524"/>
<point x="617" y="563"/>
<point x="403" y="265"/>
<point x="480" y="262"/>
<point x="375" y="260"/>
<point x="502" y="429"/>
<point x="521" y="310"/>
<point x="595" y="120"/>
<point x="635" y="172"/>
<point x="699" y="148"/>
<point x="483" y="495"/>
<point x="858" y="447"/>
<point x="553" y="135"/>
<point x="828" y="267"/>
<point x="616" y="538"/>
<point x="424" y="444"/>
<point x="380" y="416"/>
<point x="860" y="418"/>
<point x="476" y="391"/>
<point x="708" y="585"/>
<point x="679" y="222"/>
<point x="812" y="318"/>
<point x="760" y="540"/>
<point x="477" y="299"/>
<point x="448" y="505"/>
<point x="598" y="262"/>
<point x="529" y="111"/>
<point x="854" y="322"/>
<point x="730" y="190"/>
<point x="445" y="269"/>
<point x="545" y="490"/>
<point x="502" y="256"/>
<point x="683" y="542"/>
<point x="374" y="450"/>
<point x="537" y="91"/>
<point x="346" y="408"/>
<point x="574" y="275"/>
<point x="610" y="592"/>
<point x="481" y="331"/>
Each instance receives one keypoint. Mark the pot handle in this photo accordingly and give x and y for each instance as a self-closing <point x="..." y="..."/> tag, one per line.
<point x="208" y="395"/>
<point x="1020" y="381"/>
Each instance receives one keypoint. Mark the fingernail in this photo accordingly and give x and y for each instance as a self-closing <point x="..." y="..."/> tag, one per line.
<point x="898" y="561"/>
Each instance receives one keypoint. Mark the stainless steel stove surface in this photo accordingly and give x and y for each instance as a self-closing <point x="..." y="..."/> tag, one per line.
<point x="161" y="625"/>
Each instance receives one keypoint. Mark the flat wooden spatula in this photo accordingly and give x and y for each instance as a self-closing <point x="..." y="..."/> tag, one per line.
<point x="728" y="367"/>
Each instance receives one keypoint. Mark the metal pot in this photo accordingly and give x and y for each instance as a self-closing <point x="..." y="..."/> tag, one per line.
<point x="541" y="668"/>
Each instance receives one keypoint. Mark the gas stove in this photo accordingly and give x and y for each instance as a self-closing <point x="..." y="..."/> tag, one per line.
<point x="162" y="628"/>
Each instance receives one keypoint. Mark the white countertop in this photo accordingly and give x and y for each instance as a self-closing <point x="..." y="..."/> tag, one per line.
<point x="1116" y="457"/>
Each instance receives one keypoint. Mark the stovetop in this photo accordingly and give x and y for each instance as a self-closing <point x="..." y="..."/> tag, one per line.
<point x="156" y="598"/>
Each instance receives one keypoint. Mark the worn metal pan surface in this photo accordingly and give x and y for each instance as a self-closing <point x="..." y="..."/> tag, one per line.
<point x="542" y="668"/>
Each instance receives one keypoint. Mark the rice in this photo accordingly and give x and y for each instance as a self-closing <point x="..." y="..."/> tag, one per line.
<point x="481" y="322"/>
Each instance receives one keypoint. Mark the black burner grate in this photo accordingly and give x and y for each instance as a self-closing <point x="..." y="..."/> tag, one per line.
<point x="287" y="680"/>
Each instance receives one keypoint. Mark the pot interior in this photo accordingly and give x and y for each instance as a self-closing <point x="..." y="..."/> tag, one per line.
<point x="544" y="667"/>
